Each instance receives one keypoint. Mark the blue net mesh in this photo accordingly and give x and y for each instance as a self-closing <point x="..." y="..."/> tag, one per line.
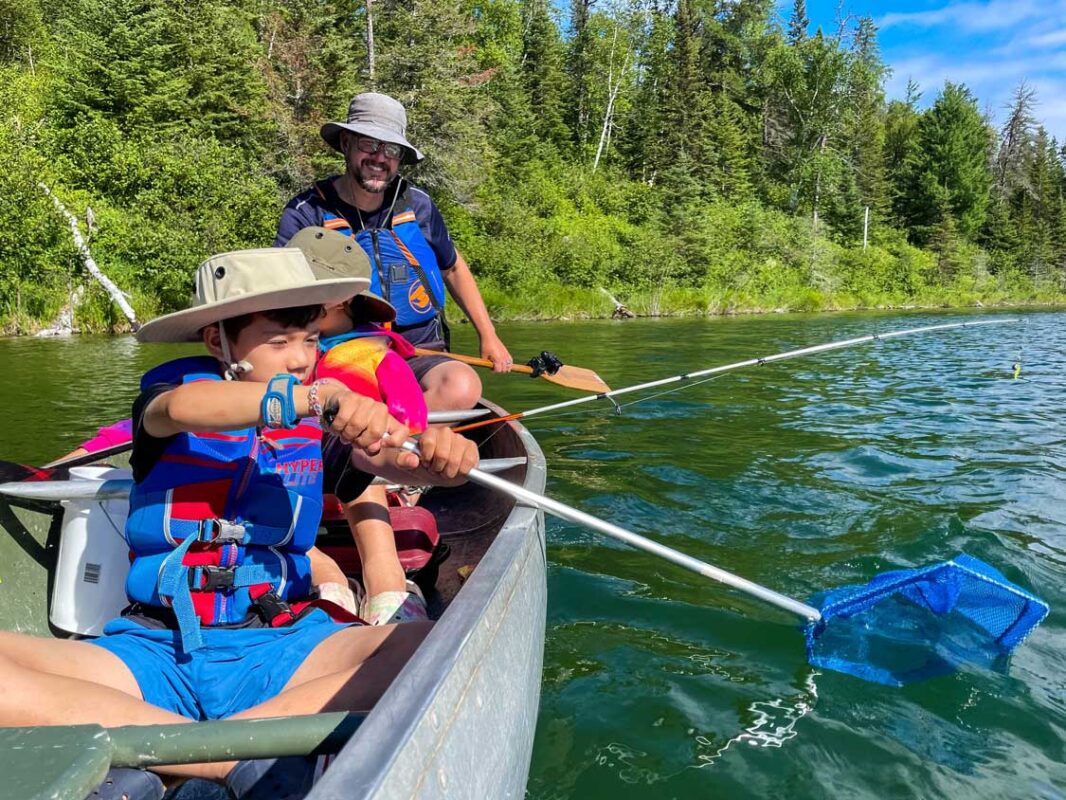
<point x="909" y="625"/>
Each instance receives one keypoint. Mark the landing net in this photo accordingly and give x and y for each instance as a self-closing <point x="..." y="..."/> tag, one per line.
<point x="909" y="625"/>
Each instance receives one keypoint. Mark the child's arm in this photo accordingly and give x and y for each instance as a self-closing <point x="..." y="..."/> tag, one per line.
<point x="207" y="406"/>
<point x="368" y="517"/>
<point x="447" y="457"/>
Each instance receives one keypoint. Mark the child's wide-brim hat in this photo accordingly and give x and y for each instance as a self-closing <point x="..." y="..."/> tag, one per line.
<point x="246" y="282"/>
<point x="332" y="254"/>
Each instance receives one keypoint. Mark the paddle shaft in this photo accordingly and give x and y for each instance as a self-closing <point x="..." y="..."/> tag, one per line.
<point x="563" y="511"/>
<point x="473" y="361"/>
<point x="751" y="362"/>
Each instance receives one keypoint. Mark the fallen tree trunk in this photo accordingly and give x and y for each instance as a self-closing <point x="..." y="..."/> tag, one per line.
<point x="620" y="311"/>
<point x="83" y="250"/>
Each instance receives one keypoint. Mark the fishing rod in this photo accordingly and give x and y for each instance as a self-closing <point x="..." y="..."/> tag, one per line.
<point x="751" y="362"/>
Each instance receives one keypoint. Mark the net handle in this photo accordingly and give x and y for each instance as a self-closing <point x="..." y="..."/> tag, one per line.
<point x="569" y="514"/>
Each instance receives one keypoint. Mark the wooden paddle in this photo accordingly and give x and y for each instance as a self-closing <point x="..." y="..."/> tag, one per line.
<point x="584" y="380"/>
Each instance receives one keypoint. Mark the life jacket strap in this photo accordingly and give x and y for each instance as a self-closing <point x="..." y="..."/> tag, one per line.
<point x="276" y="613"/>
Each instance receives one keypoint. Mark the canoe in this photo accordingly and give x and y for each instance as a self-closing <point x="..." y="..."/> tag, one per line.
<point x="459" y="719"/>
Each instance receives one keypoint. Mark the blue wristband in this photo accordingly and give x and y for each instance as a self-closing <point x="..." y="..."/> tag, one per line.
<point x="278" y="408"/>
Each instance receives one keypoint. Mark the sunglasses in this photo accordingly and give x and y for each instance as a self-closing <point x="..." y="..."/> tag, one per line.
<point x="390" y="149"/>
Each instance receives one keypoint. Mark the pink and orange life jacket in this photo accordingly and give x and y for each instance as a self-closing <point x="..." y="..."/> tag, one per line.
<point x="371" y="361"/>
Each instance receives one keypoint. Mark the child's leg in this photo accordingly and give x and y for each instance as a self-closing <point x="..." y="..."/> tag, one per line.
<point x="389" y="597"/>
<point x="349" y="671"/>
<point x="62" y="682"/>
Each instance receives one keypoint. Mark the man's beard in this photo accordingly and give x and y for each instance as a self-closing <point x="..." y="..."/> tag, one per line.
<point x="374" y="185"/>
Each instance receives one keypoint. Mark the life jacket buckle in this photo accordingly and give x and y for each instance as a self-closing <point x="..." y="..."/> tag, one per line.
<point x="210" y="578"/>
<point x="273" y="610"/>
<point x="222" y="531"/>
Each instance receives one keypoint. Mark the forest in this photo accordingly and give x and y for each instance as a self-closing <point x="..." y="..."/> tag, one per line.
<point x="684" y="156"/>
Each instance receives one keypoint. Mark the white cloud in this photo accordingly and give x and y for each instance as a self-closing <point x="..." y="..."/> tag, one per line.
<point x="994" y="15"/>
<point x="992" y="81"/>
<point x="1049" y="39"/>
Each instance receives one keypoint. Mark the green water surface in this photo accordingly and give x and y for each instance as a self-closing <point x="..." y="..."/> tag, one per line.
<point x="801" y="475"/>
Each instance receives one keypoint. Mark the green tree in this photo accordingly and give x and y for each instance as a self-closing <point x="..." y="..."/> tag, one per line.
<point x="543" y="75"/>
<point x="949" y="172"/>
<point x="426" y="53"/>
<point x="901" y="149"/>
<point x="798" y="23"/>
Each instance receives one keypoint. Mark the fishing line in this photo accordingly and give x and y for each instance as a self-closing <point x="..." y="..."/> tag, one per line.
<point x="620" y="408"/>
<point x="686" y="378"/>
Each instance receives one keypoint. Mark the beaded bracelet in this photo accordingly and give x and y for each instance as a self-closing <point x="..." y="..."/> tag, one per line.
<point x="314" y="403"/>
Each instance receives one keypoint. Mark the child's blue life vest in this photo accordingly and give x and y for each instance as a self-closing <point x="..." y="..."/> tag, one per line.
<point x="405" y="269"/>
<point x="223" y="518"/>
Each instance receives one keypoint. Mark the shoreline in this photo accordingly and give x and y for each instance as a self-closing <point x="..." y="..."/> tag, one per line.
<point x="642" y="306"/>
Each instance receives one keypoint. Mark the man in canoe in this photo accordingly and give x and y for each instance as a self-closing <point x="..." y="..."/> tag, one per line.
<point x="402" y="232"/>
<point x="229" y="475"/>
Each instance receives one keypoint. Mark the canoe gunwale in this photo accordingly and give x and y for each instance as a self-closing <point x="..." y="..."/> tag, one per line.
<point x="371" y="764"/>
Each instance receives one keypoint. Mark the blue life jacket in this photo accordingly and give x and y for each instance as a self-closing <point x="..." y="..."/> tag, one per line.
<point x="223" y="518"/>
<point x="405" y="269"/>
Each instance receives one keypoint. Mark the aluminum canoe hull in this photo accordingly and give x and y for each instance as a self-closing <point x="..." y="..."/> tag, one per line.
<point x="459" y="719"/>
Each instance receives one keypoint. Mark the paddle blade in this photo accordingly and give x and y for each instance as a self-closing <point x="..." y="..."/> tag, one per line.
<point x="10" y="472"/>
<point x="910" y="625"/>
<point x="584" y="380"/>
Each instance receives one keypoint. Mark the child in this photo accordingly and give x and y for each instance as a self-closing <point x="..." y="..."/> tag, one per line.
<point x="229" y="476"/>
<point x="369" y="360"/>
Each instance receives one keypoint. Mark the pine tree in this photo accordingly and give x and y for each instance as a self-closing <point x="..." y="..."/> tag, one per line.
<point x="685" y="148"/>
<point x="798" y="23"/>
<point x="900" y="148"/>
<point x="425" y="55"/>
<point x="949" y="172"/>
<point x="1015" y="142"/>
<point x="543" y="76"/>
<point x="579" y="69"/>
<point x="866" y="122"/>
<point x="645" y="125"/>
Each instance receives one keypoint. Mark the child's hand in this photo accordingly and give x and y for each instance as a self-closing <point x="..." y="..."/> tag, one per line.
<point x="446" y="452"/>
<point x="365" y="423"/>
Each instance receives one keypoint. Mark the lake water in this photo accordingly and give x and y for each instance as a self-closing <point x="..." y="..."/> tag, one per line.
<point x="801" y="475"/>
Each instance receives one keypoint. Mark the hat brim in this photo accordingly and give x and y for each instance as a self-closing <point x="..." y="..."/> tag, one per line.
<point x="374" y="307"/>
<point x="331" y="132"/>
<point x="185" y="326"/>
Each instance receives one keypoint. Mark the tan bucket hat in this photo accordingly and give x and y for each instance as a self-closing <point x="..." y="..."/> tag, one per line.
<point x="244" y="282"/>
<point x="375" y="115"/>
<point x="332" y="254"/>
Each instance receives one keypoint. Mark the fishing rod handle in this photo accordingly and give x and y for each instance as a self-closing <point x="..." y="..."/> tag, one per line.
<point x="569" y="514"/>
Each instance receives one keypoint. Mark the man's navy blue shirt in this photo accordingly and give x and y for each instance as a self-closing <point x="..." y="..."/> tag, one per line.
<point x="308" y="209"/>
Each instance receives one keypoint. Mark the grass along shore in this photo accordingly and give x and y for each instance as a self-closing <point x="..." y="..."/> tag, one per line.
<point x="548" y="302"/>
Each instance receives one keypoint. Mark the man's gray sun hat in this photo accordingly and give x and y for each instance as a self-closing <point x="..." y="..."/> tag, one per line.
<point x="377" y="116"/>
<point x="245" y="282"/>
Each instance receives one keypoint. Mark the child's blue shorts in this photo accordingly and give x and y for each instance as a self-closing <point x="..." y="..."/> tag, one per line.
<point x="237" y="668"/>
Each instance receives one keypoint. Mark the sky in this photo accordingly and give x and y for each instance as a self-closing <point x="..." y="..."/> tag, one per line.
<point x="991" y="46"/>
